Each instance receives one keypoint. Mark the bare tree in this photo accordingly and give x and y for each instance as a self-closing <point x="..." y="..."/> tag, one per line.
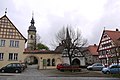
<point x="38" y="38"/>
<point x="70" y="40"/>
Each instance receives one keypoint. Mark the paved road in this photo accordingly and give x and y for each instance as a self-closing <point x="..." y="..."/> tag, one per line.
<point x="32" y="73"/>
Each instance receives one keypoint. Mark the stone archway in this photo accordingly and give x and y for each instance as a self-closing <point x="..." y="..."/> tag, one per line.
<point x="32" y="61"/>
<point x="58" y="61"/>
<point x="76" y="62"/>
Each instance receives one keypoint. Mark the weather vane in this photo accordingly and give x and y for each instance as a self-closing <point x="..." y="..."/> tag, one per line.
<point x="32" y="14"/>
<point x="104" y="28"/>
<point x="5" y="11"/>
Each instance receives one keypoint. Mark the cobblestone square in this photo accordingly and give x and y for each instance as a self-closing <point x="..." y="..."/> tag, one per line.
<point x="53" y="74"/>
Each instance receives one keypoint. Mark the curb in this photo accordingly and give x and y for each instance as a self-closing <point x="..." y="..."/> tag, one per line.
<point x="9" y="74"/>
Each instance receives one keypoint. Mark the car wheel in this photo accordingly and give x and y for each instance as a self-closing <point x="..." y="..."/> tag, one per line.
<point x="89" y="68"/>
<point x="2" y="71"/>
<point x="16" y="71"/>
<point x="107" y="72"/>
<point x="62" y="70"/>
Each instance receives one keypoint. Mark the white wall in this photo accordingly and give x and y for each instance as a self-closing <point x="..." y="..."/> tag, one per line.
<point x="82" y="60"/>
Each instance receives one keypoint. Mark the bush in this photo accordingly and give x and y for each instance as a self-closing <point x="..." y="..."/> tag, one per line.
<point x="115" y="75"/>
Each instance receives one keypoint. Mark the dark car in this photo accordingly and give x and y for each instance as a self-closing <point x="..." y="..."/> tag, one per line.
<point x="96" y="66"/>
<point x="12" y="68"/>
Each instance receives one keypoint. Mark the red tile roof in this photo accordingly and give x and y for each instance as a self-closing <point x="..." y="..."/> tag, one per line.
<point x="93" y="49"/>
<point x="114" y="35"/>
<point x="40" y="51"/>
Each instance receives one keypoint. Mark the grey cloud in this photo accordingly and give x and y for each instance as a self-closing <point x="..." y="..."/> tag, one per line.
<point x="110" y="20"/>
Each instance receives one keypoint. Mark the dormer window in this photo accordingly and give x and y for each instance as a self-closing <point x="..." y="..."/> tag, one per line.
<point x="31" y="36"/>
<point x="105" y="36"/>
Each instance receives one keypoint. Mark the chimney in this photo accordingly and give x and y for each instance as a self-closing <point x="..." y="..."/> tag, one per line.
<point x="117" y="29"/>
<point x="60" y="44"/>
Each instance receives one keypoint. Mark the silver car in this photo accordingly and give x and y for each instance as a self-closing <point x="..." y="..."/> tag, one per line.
<point x="96" y="66"/>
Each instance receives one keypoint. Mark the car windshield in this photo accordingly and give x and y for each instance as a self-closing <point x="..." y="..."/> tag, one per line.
<point x="97" y="64"/>
<point x="113" y="66"/>
<point x="65" y="64"/>
<point x="9" y="65"/>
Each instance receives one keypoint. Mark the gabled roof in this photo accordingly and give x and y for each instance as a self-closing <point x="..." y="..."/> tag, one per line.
<point x="26" y="51"/>
<point x="114" y="35"/>
<point x="93" y="49"/>
<point x="59" y="48"/>
<point x="10" y="27"/>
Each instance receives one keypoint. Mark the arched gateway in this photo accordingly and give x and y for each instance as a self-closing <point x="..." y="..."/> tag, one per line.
<point x="76" y="62"/>
<point x="43" y="59"/>
<point x="31" y="60"/>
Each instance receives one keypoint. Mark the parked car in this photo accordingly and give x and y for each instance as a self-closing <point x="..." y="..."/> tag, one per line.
<point x="12" y="68"/>
<point x="113" y="69"/>
<point x="62" y="65"/>
<point x="96" y="66"/>
<point x="67" y="67"/>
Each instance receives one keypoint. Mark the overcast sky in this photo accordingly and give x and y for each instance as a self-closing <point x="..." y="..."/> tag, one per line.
<point x="90" y="16"/>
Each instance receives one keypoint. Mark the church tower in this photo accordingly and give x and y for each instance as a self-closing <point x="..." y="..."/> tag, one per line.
<point x="68" y="38"/>
<point x="31" y="44"/>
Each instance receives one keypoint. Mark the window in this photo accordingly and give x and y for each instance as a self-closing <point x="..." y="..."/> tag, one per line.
<point x="18" y="65"/>
<point x="107" y="44"/>
<point x="31" y="36"/>
<point x="10" y="33"/>
<point x="11" y="43"/>
<point x="2" y="43"/>
<point x="44" y="62"/>
<point x="14" y="43"/>
<point x="13" y="56"/>
<point x="9" y="65"/>
<point x="99" y="64"/>
<point x="14" y="65"/>
<point x="48" y="62"/>
<point x="10" y="56"/>
<point x="105" y="36"/>
<point x="53" y="62"/>
<point x="1" y="56"/>
<point x="115" y="66"/>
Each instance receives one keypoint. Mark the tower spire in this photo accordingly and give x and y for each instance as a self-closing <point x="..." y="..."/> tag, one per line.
<point x="32" y="14"/>
<point x="67" y="34"/>
<point x="5" y="11"/>
<point x="32" y="21"/>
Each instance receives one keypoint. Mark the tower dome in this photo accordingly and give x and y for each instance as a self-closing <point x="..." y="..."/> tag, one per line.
<point x="32" y="27"/>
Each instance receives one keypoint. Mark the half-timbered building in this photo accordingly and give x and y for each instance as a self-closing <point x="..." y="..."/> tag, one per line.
<point x="12" y="42"/>
<point x="12" y="47"/>
<point x="109" y="47"/>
